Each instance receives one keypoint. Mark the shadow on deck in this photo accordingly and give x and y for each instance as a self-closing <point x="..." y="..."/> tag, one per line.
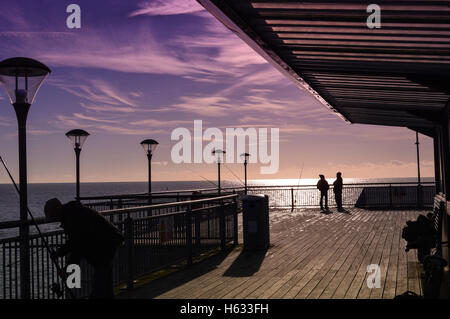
<point x="312" y="255"/>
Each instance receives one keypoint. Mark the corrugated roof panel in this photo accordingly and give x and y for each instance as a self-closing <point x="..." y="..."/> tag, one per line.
<point x="370" y="76"/>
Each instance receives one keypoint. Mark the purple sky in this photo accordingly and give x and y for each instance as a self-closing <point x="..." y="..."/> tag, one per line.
<point x="139" y="69"/>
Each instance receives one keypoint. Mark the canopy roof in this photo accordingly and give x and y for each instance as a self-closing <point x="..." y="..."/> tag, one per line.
<point x="396" y="75"/>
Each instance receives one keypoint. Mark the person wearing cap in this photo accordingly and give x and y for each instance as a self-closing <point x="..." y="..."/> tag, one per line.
<point x="90" y="236"/>
<point x="323" y="187"/>
<point x="337" y="189"/>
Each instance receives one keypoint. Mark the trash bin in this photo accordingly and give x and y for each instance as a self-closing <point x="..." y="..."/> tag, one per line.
<point x="255" y="217"/>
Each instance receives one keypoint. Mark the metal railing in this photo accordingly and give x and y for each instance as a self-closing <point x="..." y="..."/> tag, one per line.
<point x="367" y="195"/>
<point x="155" y="236"/>
<point x="108" y="202"/>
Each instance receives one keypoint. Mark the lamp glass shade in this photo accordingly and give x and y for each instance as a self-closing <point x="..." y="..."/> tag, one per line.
<point x="149" y="146"/>
<point x="77" y="137"/>
<point x="245" y="156"/>
<point x="21" y="78"/>
<point x="219" y="155"/>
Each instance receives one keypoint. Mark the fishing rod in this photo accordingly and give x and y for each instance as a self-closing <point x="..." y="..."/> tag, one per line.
<point x="301" y="172"/>
<point x="185" y="166"/>
<point x="55" y="287"/>
<point x="234" y="174"/>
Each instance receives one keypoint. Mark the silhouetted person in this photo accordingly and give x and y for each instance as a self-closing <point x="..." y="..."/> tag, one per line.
<point x="89" y="236"/>
<point x="337" y="189"/>
<point x="323" y="187"/>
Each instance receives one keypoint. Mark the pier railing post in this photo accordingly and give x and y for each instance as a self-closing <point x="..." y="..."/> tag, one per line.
<point x="129" y="244"/>
<point x="197" y="217"/>
<point x="292" y="199"/>
<point x="390" y="195"/>
<point x="188" y="223"/>
<point x="419" y="195"/>
<point x="222" y="225"/>
<point x="235" y="221"/>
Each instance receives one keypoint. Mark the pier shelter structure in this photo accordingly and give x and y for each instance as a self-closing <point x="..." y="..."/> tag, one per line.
<point x="385" y="64"/>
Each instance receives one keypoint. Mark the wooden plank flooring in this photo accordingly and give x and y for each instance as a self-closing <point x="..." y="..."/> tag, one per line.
<point x="313" y="255"/>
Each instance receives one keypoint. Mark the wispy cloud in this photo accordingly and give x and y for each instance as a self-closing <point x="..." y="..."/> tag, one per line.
<point x="91" y="118"/>
<point x="97" y="91"/>
<point x="65" y="121"/>
<point x="38" y="132"/>
<point x="204" y="105"/>
<point x="7" y="121"/>
<point x="160" y="123"/>
<point x="167" y="7"/>
<point x="129" y="131"/>
<point x="104" y="108"/>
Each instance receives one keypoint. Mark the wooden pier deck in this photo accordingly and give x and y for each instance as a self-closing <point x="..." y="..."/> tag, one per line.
<point x="312" y="255"/>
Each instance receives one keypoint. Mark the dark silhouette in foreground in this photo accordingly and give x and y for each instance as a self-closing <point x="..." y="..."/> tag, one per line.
<point x="337" y="189"/>
<point x="323" y="187"/>
<point x="89" y="236"/>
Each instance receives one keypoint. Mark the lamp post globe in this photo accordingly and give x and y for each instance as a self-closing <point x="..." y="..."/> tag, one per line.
<point x="21" y="77"/>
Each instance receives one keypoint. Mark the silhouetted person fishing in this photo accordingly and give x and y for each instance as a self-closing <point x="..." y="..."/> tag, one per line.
<point x="337" y="189"/>
<point x="89" y="236"/>
<point x="323" y="187"/>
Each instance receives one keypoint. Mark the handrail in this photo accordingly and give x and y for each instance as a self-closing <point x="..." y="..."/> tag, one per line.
<point x="44" y="220"/>
<point x="145" y="195"/>
<point x="194" y="211"/>
<point x="165" y="205"/>
<point x="17" y="223"/>
<point x="345" y="185"/>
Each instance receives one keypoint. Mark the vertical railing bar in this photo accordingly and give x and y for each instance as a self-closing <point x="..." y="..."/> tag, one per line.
<point x="292" y="199"/>
<point x="48" y="270"/>
<point x="32" y="276"/>
<point x="16" y="272"/>
<point x="129" y="237"/>
<point x="390" y="196"/>
<point x="42" y="275"/>
<point x="235" y="221"/>
<point x="4" y="271"/>
<point x="222" y="225"/>
<point x="197" y="230"/>
<point x="38" y="269"/>
<point x="188" y="226"/>
<point x="11" y="270"/>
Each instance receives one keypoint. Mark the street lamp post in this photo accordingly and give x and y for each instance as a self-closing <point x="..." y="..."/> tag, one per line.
<point x="219" y="157"/>
<point x="418" y="159"/>
<point x="419" y="186"/>
<point x="77" y="137"/>
<point x="245" y="156"/>
<point x="22" y="77"/>
<point x="149" y="146"/>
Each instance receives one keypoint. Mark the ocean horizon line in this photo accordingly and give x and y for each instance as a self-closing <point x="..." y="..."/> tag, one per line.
<point x="227" y="180"/>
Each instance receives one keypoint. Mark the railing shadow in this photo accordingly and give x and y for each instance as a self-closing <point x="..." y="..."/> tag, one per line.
<point x="246" y="264"/>
<point x="173" y="280"/>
